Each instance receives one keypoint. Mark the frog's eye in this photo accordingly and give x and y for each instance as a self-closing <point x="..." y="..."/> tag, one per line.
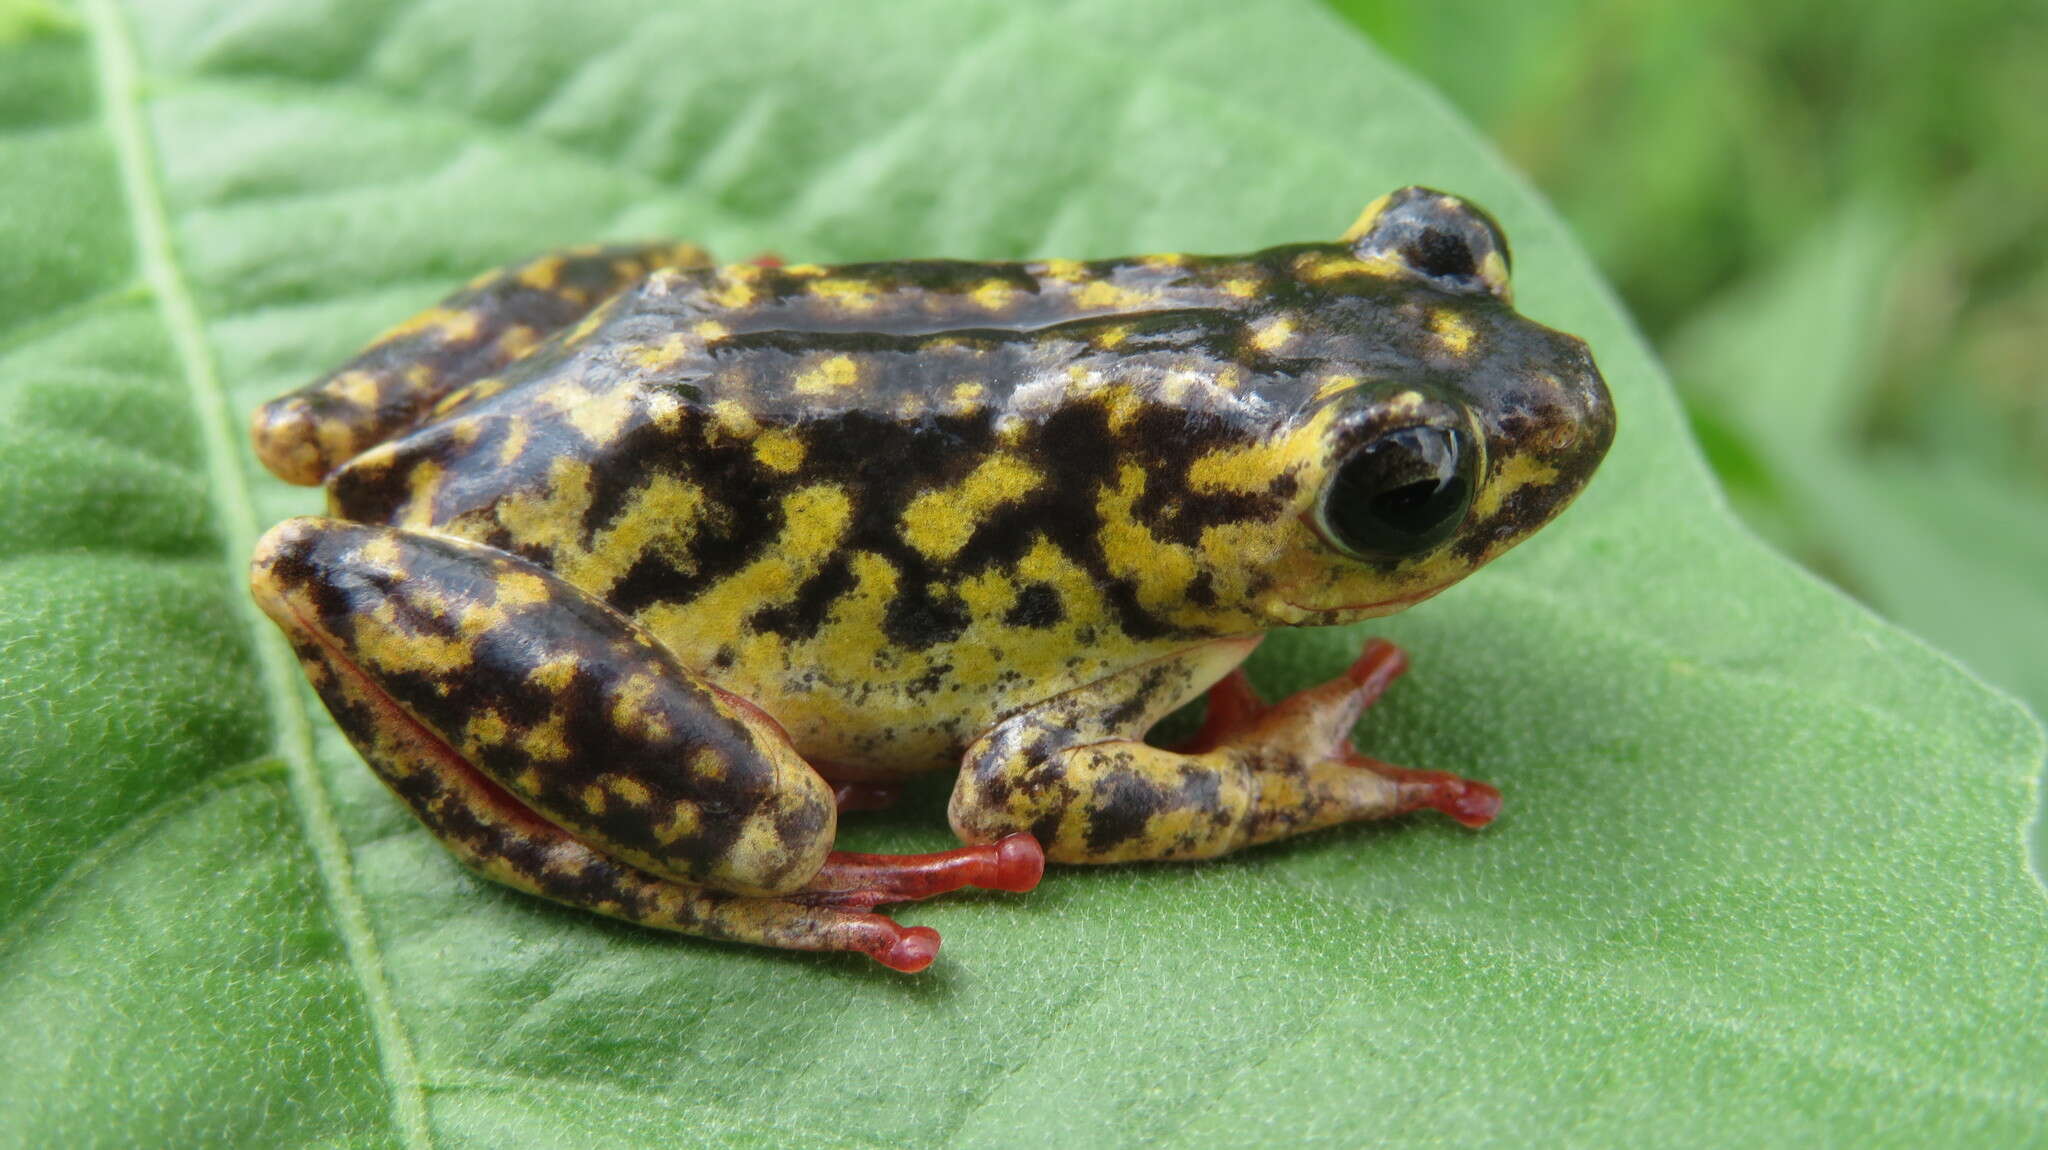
<point x="1401" y="492"/>
<point x="1448" y="242"/>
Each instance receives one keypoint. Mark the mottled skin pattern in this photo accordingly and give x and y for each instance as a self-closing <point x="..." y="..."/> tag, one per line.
<point x="630" y="554"/>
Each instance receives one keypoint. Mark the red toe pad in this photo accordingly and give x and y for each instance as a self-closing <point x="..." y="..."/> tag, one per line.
<point x="914" y="949"/>
<point x="1020" y="863"/>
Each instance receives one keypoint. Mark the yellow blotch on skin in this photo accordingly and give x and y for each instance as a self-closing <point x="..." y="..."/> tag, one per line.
<point x="988" y="594"/>
<point x="542" y="274"/>
<point x="382" y="550"/>
<point x="382" y="644"/>
<point x="1366" y="219"/>
<point x="779" y="450"/>
<point x="735" y="294"/>
<point x="1110" y="297"/>
<point x="684" y="819"/>
<point x="522" y="589"/>
<point x="449" y="325"/>
<point x="1111" y="337"/>
<point x="1509" y="476"/>
<point x="1453" y="331"/>
<point x="1494" y="270"/>
<point x="707" y="763"/>
<point x="815" y="520"/>
<point x="1316" y="267"/>
<point x="590" y="323"/>
<point x="632" y="790"/>
<point x="1241" y="288"/>
<point x="966" y="397"/>
<point x="1271" y="335"/>
<point x="422" y="485"/>
<point x="547" y="743"/>
<point x="1336" y="385"/>
<point x="358" y="388"/>
<point x="853" y="295"/>
<point x="603" y="416"/>
<point x="1066" y="271"/>
<point x="663" y="515"/>
<point x="552" y="520"/>
<point x="553" y="674"/>
<point x="631" y="712"/>
<point x="994" y="294"/>
<point x="939" y="523"/>
<point x="673" y="349"/>
<point x="731" y="417"/>
<point x="517" y="340"/>
<point x="1252" y="467"/>
<point x="513" y="444"/>
<point x="832" y="374"/>
<point x="486" y="729"/>
<point x="1161" y="569"/>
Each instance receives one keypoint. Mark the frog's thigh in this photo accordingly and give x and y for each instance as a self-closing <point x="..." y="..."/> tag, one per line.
<point x="1076" y="772"/>
<point x="505" y="673"/>
<point x="393" y="383"/>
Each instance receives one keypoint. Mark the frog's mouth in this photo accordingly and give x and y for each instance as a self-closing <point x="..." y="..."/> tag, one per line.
<point x="1315" y="615"/>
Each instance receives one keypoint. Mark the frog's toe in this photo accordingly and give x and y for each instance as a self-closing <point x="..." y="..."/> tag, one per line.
<point x="912" y="951"/>
<point x="1468" y="801"/>
<point x="1015" y="863"/>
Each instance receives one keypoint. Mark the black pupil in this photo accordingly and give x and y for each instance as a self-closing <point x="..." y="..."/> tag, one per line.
<point x="1403" y="492"/>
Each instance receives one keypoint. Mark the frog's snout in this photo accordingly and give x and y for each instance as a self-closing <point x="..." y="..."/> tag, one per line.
<point x="1586" y="395"/>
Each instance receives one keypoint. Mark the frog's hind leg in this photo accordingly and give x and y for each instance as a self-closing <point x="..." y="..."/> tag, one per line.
<point x="1093" y="791"/>
<point x="555" y="747"/>
<point x="495" y="319"/>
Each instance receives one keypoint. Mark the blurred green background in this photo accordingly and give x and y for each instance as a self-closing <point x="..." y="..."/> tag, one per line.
<point x="1833" y="221"/>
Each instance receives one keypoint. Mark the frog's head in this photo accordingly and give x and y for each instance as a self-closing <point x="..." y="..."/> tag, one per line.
<point x="1437" y="427"/>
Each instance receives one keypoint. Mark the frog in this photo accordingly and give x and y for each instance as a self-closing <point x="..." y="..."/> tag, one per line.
<point x="640" y="570"/>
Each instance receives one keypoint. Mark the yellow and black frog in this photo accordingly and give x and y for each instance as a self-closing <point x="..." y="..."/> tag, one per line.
<point x="640" y="569"/>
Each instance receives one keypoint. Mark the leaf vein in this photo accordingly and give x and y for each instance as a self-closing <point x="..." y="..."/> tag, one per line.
<point x="121" y="110"/>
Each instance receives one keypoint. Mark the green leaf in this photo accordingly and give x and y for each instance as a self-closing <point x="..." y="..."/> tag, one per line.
<point x="1760" y="877"/>
<point x="1949" y="544"/>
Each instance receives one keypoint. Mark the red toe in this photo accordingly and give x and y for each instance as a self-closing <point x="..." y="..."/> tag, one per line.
<point x="913" y="950"/>
<point x="1474" y="804"/>
<point x="1020" y="863"/>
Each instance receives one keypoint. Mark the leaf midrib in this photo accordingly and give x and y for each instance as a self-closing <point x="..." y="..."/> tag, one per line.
<point x="116" y="74"/>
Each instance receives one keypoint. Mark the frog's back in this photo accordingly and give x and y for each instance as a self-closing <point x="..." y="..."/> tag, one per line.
<point x="884" y="539"/>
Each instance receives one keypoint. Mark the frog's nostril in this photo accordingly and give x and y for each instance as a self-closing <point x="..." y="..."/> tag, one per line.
<point x="1437" y="252"/>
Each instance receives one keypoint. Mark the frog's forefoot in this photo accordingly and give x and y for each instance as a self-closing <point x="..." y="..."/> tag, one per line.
<point x="1322" y="717"/>
<point x="1253" y="773"/>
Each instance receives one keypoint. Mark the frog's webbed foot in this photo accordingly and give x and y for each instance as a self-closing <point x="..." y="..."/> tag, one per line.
<point x="555" y="747"/>
<point x="395" y="382"/>
<point x="1319" y="721"/>
<point x="1253" y="773"/>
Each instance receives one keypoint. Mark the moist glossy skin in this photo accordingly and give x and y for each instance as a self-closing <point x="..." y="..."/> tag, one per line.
<point x="906" y="510"/>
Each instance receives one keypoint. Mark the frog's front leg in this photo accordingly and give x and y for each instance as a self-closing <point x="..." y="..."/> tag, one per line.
<point x="554" y="746"/>
<point x="1076" y="772"/>
<point x="393" y="383"/>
